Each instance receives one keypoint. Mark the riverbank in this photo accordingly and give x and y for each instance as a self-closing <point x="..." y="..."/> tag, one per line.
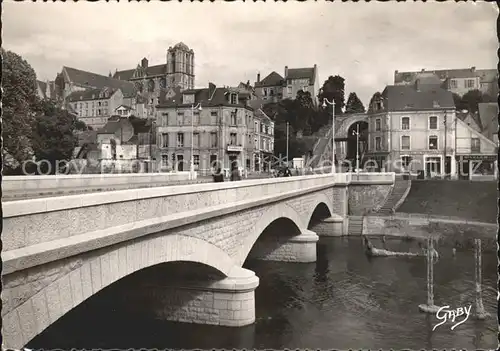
<point x="474" y="201"/>
<point x="452" y="232"/>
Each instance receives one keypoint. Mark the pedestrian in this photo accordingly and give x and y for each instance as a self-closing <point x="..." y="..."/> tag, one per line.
<point x="218" y="176"/>
<point x="235" y="174"/>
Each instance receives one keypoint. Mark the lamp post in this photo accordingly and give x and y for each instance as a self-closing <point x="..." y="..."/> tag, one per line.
<point x="287" y="141"/>
<point x="325" y="101"/>
<point x="356" y="132"/>
<point x="193" y="107"/>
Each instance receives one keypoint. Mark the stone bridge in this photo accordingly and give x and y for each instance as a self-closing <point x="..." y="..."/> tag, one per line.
<point x="60" y="251"/>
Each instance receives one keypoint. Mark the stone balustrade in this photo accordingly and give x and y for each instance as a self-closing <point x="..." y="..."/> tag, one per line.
<point x="28" y="184"/>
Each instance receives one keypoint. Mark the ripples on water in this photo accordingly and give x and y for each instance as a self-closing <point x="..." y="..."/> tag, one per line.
<point x="344" y="300"/>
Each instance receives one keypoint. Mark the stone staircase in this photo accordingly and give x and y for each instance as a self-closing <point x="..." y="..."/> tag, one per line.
<point x="396" y="197"/>
<point x="355" y="225"/>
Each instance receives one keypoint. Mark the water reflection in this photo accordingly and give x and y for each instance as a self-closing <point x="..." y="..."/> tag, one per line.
<point x="342" y="301"/>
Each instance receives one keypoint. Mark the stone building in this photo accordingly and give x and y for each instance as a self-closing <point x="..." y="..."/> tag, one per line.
<point x="263" y="140"/>
<point x="415" y="128"/>
<point x="274" y="88"/>
<point x="72" y="80"/>
<point x="220" y="134"/>
<point x="458" y="81"/>
<point x="95" y="106"/>
<point x="150" y="81"/>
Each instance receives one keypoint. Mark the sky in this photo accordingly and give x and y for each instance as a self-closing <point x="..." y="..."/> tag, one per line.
<point x="233" y="41"/>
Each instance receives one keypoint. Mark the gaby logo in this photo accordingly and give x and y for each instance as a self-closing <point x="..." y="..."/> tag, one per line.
<point x="445" y="313"/>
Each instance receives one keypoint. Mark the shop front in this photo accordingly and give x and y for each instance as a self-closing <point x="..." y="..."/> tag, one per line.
<point x="477" y="167"/>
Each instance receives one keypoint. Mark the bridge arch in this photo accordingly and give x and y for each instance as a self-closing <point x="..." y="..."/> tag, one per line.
<point x="278" y="211"/>
<point x="320" y="212"/>
<point x="347" y="122"/>
<point x="101" y="270"/>
<point x="321" y="203"/>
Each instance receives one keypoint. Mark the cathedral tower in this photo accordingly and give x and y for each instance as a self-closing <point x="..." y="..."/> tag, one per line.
<point x="180" y="66"/>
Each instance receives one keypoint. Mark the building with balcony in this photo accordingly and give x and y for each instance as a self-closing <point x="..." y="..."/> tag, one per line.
<point x="415" y="128"/>
<point x="458" y="81"/>
<point x="220" y="134"/>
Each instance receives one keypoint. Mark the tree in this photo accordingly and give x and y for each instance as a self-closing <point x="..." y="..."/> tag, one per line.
<point x="334" y="90"/>
<point x="19" y="102"/>
<point x="375" y="97"/>
<point x="471" y="100"/>
<point x="457" y="99"/>
<point x="354" y="104"/>
<point x="54" y="137"/>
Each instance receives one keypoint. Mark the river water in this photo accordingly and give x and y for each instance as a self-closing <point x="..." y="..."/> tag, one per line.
<point x="344" y="300"/>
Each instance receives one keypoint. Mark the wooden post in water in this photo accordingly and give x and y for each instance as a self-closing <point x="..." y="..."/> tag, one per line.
<point x="429" y="307"/>
<point x="480" y="312"/>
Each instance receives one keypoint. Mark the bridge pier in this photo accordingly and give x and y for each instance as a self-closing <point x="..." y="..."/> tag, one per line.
<point x="298" y="248"/>
<point x="229" y="301"/>
<point x="333" y="226"/>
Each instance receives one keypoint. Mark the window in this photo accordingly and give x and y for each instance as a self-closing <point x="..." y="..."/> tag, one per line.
<point x="453" y="84"/>
<point x="405" y="123"/>
<point x="233" y="139"/>
<point x="475" y="145"/>
<point x="164" y="160"/>
<point x="164" y="120"/>
<point x="256" y="142"/>
<point x="271" y="92"/>
<point x="213" y="117"/>
<point x="180" y="118"/>
<point x="289" y="90"/>
<point x="378" y="143"/>
<point x="164" y="140"/>
<point x="196" y="118"/>
<point x="470" y="83"/>
<point x="433" y="142"/>
<point x="196" y="162"/>
<point x="262" y="127"/>
<point x="265" y="91"/>
<point x="196" y="140"/>
<point x="233" y="118"/>
<point x="378" y="124"/>
<point x="256" y="125"/>
<point x="180" y="139"/>
<point x="234" y="99"/>
<point x="405" y="142"/>
<point x="213" y="139"/>
<point x="433" y="122"/>
<point x="406" y="161"/>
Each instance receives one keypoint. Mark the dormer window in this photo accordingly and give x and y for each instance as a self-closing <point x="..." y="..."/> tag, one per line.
<point x="233" y="98"/>
<point x="188" y="99"/>
<point x="435" y="104"/>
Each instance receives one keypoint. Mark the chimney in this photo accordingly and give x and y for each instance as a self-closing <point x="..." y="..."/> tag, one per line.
<point x="258" y="77"/>
<point x="396" y="71"/>
<point x="473" y="69"/>
<point x="286" y="71"/>
<point x="423" y="70"/>
<point x="144" y="63"/>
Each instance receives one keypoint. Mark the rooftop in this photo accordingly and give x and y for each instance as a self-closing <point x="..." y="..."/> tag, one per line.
<point x="407" y="97"/>
<point x="97" y="81"/>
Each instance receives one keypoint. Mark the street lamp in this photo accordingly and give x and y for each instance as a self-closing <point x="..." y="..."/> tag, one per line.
<point x="287" y="142"/>
<point x="356" y="132"/>
<point x="193" y="107"/>
<point x="325" y="101"/>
